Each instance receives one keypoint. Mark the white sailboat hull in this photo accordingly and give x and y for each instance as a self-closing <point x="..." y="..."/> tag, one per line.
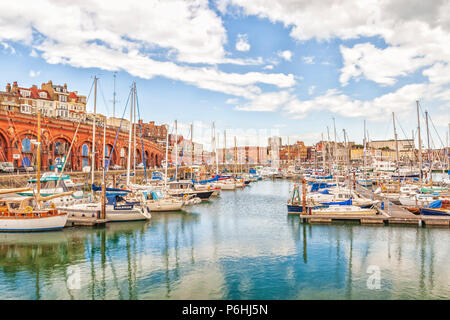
<point x="226" y="186"/>
<point x="28" y="224"/>
<point x="92" y="212"/>
<point x="164" y="205"/>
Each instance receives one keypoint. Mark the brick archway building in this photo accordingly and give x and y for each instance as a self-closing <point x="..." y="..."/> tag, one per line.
<point x="17" y="130"/>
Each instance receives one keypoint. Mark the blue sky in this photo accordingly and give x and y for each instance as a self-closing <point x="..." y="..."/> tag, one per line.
<point x="283" y="68"/>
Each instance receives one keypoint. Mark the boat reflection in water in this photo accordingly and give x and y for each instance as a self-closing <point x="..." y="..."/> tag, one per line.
<point x="242" y="246"/>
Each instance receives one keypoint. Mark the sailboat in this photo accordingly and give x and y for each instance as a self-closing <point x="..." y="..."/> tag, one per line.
<point x="26" y="214"/>
<point x="118" y="204"/>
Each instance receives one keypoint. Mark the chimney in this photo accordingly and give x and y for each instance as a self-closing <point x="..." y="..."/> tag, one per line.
<point x="8" y="87"/>
<point x="15" y="87"/>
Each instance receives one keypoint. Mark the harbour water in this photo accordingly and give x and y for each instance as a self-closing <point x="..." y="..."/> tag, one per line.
<point x="242" y="245"/>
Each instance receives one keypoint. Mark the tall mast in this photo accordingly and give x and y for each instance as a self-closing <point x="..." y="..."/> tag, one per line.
<point x="396" y="144"/>
<point x="335" y="143"/>
<point x="93" y="132"/>
<point x="235" y="155"/>
<point x="419" y="140"/>
<point x="217" y="155"/>
<point x="213" y="147"/>
<point x="328" y="149"/>
<point x="346" y="148"/>
<point x="323" y="153"/>
<point x="192" y="151"/>
<point x="176" y="150"/>
<point x="225" y="148"/>
<point x="448" y="149"/>
<point x="167" y="158"/>
<point x="289" y="151"/>
<point x="103" y="198"/>
<point x="134" y="133"/>
<point x="364" y="143"/>
<point x="429" y="149"/>
<point x="38" y="157"/>
<point x="114" y="97"/>
<point x="104" y="146"/>
<point x="130" y="130"/>
<point x="192" y="143"/>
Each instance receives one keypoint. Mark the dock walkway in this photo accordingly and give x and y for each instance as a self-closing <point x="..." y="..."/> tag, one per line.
<point x="390" y="214"/>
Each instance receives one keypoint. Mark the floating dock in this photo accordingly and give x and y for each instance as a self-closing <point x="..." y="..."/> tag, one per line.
<point x="390" y="214"/>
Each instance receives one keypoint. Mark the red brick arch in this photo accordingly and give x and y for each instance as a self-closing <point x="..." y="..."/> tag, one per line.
<point x="25" y="125"/>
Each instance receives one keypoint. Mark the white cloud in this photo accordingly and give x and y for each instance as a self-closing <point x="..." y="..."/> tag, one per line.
<point x="7" y="47"/>
<point x="33" y="73"/>
<point x="33" y="53"/>
<point x="416" y="33"/>
<point x="232" y="101"/>
<point x="242" y="43"/>
<point x="117" y="35"/>
<point x="308" y="59"/>
<point x="311" y="90"/>
<point x="268" y="67"/>
<point x="380" y="65"/>
<point x="401" y="102"/>
<point x="270" y="101"/>
<point x="286" y="55"/>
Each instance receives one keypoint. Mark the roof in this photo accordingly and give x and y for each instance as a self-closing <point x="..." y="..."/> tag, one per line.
<point x="34" y="93"/>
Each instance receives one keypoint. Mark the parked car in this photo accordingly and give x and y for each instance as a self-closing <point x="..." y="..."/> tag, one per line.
<point x="86" y="169"/>
<point x="6" y="167"/>
<point x="26" y="169"/>
<point x="140" y="166"/>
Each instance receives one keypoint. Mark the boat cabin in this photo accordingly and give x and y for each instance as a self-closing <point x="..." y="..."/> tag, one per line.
<point x="182" y="184"/>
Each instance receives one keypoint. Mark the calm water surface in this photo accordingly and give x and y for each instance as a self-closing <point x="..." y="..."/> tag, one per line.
<point x="239" y="246"/>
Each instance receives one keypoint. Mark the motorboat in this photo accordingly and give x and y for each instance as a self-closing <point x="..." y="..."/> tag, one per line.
<point x="185" y="188"/>
<point x="156" y="201"/>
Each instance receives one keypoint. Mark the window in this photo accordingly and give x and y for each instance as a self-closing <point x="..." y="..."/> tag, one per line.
<point x="60" y="147"/>
<point x="43" y="95"/>
<point x="25" y="108"/>
<point x="63" y="98"/>
<point x="85" y="150"/>
<point x="25" y="93"/>
<point x="26" y="145"/>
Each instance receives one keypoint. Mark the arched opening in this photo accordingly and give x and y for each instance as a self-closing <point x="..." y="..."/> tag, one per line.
<point x="108" y="155"/>
<point x="84" y="155"/>
<point x="123" y="157"/>
<point x="138" y="156"/>
<point x="60" y="149"/>
<point x="27" y="148"/>
<point x="147" y="160"/>
<point x="3" y="148"/>
<point x="152" y="160"/>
